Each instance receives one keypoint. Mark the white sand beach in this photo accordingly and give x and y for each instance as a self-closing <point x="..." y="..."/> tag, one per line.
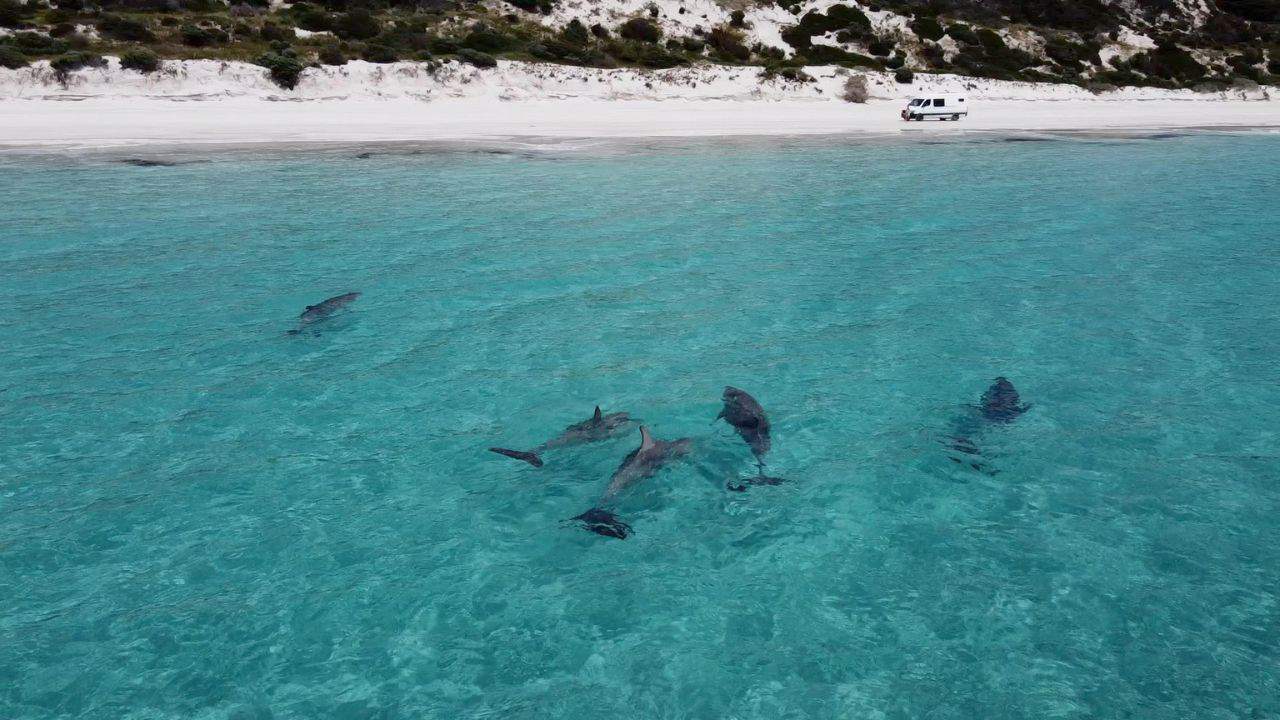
<point x="216" y="102"/>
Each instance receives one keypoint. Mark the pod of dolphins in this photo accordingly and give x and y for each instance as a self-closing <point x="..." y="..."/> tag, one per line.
<point x="999" y="405"/>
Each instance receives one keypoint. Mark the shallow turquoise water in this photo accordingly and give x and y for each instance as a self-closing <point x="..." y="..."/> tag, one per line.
<point x="203" y="517"/>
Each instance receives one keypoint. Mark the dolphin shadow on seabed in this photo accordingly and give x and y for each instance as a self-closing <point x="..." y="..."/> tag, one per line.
<point x="1000" y="405"/>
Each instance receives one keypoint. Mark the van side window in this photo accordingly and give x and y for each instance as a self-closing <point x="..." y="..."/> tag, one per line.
<point x="939" y="102"/>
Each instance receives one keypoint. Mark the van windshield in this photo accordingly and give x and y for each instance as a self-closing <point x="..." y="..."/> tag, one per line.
<point x="916" y="102"/>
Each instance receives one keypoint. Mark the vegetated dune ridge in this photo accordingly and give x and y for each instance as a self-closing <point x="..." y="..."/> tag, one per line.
<point x="214" y="101"/>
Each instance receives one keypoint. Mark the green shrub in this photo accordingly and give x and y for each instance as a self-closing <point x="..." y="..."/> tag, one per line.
<point x="140" y="59"/>
<point x="1170" y="62"/>
<point x="477" y="58"/>
<point x="738" y="19"/>
<point x="600" y="31"/>
<point x="285" y="68"/>
<point x="443" y="45"/>
<point x="575" y="33"/>
<point x="30" y="43"/>
<point x="896" y="61"/>
<point x="123" y="28"/>
<point x="486" y="39"/>
<point x="927" y="28"/>
<point x="331" y="55"/>
<point x="962" y="33"/>
<point x="641" y="29"/>
<point x="693" y="45"/>
<point x="62" y="29"/>
<point x="12" y="58"/>
<point x="197" y="36"/>
<point x="375" y="53"/>
<point x="728" y="44"/>
<point x="990" y="40"/>
<point x="13" y="13"/>
<point x="881" y="47"/>
<point x="825" y="54"/>
<point x="271" y="31"/>
<point x="309" y="17"/>
<point x="850" y="24"/>
<point x="904" y="76"/>
<point x="542" y="6"/>
<point x="357" y="24"/>
<point x="64" y="65"/>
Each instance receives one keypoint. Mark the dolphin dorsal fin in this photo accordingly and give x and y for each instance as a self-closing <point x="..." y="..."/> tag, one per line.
<point x="646" y="440"/>
<point x="598" y="416"/>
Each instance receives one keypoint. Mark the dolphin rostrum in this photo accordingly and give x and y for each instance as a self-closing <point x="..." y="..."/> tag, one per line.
<point x="641" y="463"/>
<point x="595" y="428"/>
<point x="747" y="417"/>
<point x="316" y="313"/>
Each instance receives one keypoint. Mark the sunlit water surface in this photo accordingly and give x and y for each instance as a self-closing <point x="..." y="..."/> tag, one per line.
<point x="204" y="517"/>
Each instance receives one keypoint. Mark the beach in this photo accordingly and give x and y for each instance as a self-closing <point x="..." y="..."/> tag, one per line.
<point x="204" y="101"/>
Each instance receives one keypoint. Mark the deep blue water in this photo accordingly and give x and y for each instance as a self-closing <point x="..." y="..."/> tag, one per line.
<point x="203" y="517"/>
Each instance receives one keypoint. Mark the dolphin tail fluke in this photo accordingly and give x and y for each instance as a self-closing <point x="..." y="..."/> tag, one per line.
<point x="603" y="522"/>
<point x="529" y="457"/>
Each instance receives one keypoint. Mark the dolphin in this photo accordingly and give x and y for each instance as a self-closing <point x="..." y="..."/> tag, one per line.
<point x="747" y="417"/>
<point x="1000" y="405"/>
<point x="316" y="313"/>
<point x="594" y="429"/>
<point x="641" y="463"/>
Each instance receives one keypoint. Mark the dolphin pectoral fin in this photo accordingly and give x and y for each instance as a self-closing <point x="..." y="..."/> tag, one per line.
<point x="531" y="458"/>
<point x="603" y="522"/>
<point x="598" y="416"/>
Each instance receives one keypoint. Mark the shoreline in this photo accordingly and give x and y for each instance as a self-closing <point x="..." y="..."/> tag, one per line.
<point x="209" y="103"/>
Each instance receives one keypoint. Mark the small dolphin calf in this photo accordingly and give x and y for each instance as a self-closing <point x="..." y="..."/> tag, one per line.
<point x="316" y="313"/>
<point x="641" y="463"/>
<point x="595" y="428"/>
<point x="747" y="417"/>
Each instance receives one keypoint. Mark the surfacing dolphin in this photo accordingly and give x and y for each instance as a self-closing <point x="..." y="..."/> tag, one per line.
<point x="326" y="308"/>
<point x="641" y="463"/>
<point x="1000" y="405"/>
<point x="747" y="417"/>
<point x="594" y="429"/>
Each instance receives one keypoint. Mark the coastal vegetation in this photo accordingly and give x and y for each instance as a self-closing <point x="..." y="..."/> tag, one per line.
<point x="1148" y="42"/>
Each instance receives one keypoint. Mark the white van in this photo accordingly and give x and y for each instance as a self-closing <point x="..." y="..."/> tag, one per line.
<point x="942" y="107"/>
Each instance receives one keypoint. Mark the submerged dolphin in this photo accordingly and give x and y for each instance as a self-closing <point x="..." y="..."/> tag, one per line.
<point x="598" y="427"/>
<point x="1000" y="405"/>
<point x="641" y="463"/>
<point x="326" y="308"/>
<point x="747" y="417"/>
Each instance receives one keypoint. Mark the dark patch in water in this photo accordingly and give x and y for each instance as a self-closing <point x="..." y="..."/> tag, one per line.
<point x="144" y="162"/>
<point x="1163" y="136"/>
<point x="1026" y="139"/>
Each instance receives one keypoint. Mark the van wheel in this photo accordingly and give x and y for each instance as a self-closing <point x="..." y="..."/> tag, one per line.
<point x="955" y="117"/>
